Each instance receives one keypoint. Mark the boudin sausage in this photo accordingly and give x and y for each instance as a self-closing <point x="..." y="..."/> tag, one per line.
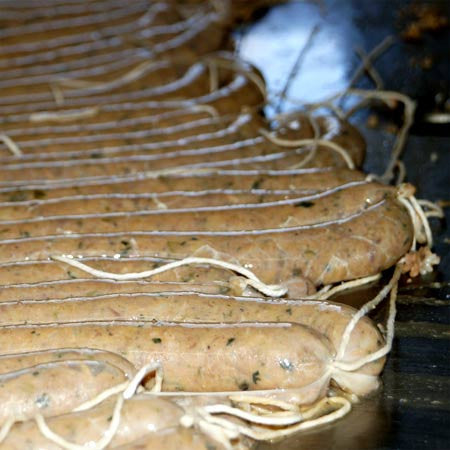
<point x="11" y="363"/>
<point x="327" y="206"/>
<point x="54" y="388"/>
<point x="368" y="238"/>
<point x="308" y="181"/>
<point x="141" y="416"/>
<point x="175" y="439"/>
<point x="197" y="357"/>
<point x="328" y="318"/>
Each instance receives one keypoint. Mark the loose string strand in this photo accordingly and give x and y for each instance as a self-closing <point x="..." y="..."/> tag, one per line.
<point x="390" y="327"/>
<point x="132" y="75"/>
<point x="64" y="116"/>
<point x="312" y="153"/>
<point x="304" y="142"/>
<point x="4" y="430"/>
<point x="275" y="419"/>
<point x="10" y="145"/>
<point x="262" y="434"/>
<point x="98" y="445"/>
<point x="330" y="291"/>
<point x="419" y="218"/>
<point x="252" y="279"/>
<point x="127" y="390"/>
<point x="364" y="310"/>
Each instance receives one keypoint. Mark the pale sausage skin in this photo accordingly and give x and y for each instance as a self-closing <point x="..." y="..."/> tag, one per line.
<point x="246" y="154"/>
<point x="196" y="357"/>
<point x="203" y="281"/>
<point x="132" y="137"/>
<point x="233" y="208"/>
<point x="309" y="181"/>
<point x="138" y="136"/>
<point x="185" y="45"/>
<point x="350" y="247"/>
<point x="160" y="16"/>
<point x="11" y="363"/>
<point x="54" y="388"/>
<point x="126" y="117"/>
<point x="176" y="439"/>
<point x="204" y="144"/>
<point x="141" y="417"/>
<point x="327" y="318"/>
<point x="337" y="203"/>
<point x="225" y="100"/>
<point x="49" y="279"/>
<point x="38" y="29"/>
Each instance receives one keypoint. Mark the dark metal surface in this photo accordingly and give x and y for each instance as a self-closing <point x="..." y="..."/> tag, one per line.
<point x="413" y="409"/>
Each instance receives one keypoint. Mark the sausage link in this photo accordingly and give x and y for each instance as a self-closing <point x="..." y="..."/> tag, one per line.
<point x="311" y="181"/>
<point x="176" y="439"/>
<point x="11" y="363"/>
<point x="355" y="246"/>
<point x="327" y="318"/>
<point x="196" y="357"/>
<point x="141" y="417"/>
<point x="343" y="201"/>
<point x="54" y="388"/>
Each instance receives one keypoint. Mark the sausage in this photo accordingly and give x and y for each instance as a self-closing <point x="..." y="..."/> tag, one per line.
<point x="93" y="120"/>
<point x="218" y="140"/>
<point x="54" y="388"/>
<point x="185" y="41"/>
<point x="187" y="280"/>
<point x="327" y="318"/>
<point x="181" y="135"/>
<point x="303" y="181"/>
<point x="141" y="417"/>
<point x="27" y="13"/>
<point x="197" y="357"/>
<point x="297" y="125"/>
<point x="68" y="59"/>
<point x="134" y="128"/>
<point x="208" y="132"/>
<point x="365" y="242"/>
<point x="103" y="204"/>
<point x="227" y="98"/>
<point x="50" y="279"/>
<point x="190" y="83"/>
<point x="182" y="128"/>
<point x="312" y="252"/>
<point x="213" y="151"/>
<point x="175" y="439"/>
<point x="33" y="29"/>
<point x="17" y="362"/>
<point x="151" y="78"/>
<point x="345" y="200"/>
